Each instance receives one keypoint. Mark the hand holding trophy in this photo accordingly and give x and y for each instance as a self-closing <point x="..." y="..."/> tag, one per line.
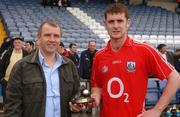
<point x="83" y="97"/>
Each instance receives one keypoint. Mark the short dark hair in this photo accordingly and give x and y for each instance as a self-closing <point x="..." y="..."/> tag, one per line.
<point x="91" y="41"/>
<point x="61" y="44"/>
<point x="160" y="46"/>
<point x="178" y="50"/>
<point x="31" y="43"/>
<point x="116" y="8"/>
<point x="49" y="22"/>
<point x="72" y="44"/>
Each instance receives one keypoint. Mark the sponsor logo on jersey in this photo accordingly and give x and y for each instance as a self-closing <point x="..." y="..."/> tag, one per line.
<point x="116" y="62"/>
<point x="104" y="69"/>
<point x="131" y="66"/>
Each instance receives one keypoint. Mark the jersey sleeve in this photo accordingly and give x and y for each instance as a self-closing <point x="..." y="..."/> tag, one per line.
<point x="157" y="65"/>
<point x="95" y="75"/>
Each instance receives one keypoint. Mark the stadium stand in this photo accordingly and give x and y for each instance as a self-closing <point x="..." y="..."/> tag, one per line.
<point x="146" y="21"/>
<point x="153" y="92"/>
<point x="23" y="17"/>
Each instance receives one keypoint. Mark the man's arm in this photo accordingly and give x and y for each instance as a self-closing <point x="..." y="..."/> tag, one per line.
<point x="13" y="102"/>
<point x="96" y="95"/>
<point x="173" y="83"/>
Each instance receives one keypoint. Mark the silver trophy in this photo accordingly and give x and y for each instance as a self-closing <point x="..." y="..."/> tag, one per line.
<point x="82" y="97"/>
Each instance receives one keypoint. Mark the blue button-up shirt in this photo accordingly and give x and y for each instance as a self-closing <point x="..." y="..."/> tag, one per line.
<point x="53" y="107"/>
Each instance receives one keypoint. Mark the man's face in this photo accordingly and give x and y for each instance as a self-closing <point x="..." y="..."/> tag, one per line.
<point x="117" y="25"/>
<point x="73" y="48"/>
<point x="49" y="39"/>
<point x="178" y="52"/>
<point x="18" y="44"/>
<point x="163" y="50"/>
<point x="60" y="49"/>
<point x="28" y="47"/>
<point x="92" y="46"/>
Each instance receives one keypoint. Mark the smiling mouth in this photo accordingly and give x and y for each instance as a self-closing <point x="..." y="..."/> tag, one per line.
<point x="51" y="45"/>
<point x="116" y="32"/>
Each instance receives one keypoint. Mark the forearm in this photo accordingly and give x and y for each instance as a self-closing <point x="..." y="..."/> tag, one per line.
<point x="96" y="94"/>
<point x="96" y="91"/>
<point x="173" y="84"/>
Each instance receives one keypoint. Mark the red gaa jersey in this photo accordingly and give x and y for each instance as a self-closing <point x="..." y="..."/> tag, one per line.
<point x="123" y="77"/>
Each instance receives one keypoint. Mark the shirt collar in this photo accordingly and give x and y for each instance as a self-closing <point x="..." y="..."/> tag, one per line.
<point x="42" y="61"/>
<point x="128" y="42"/>
<point x="41" y="58"/>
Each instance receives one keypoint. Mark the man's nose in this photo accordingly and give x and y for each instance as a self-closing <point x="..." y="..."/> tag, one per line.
<point x="116" y="24"/>
<point x="52" y="38"/>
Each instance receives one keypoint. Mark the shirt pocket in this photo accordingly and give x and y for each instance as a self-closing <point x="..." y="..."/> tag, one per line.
<point x="67" y="88"/>
<point x="33" y="90"/>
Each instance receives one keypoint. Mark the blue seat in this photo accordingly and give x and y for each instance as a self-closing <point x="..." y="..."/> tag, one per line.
<point x="153" y="92"/>
<point x="151" y="97"/>
<point x="162" y="84"/>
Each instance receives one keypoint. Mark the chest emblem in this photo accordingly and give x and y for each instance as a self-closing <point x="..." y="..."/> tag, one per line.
<point x="104" y="69"/>
<point x="131" y="66"/>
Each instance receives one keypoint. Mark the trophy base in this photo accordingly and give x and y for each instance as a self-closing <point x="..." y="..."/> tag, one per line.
<point x="82" y="100"/>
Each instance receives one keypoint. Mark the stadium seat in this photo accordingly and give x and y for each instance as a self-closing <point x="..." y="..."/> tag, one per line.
<point x="137" y="37"/>
<point x="153" y="92"/>
<point x="151" y="97"/>
<point x="146" y="20"/>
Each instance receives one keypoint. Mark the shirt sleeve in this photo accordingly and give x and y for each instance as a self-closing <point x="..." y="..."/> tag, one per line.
<point x="95" y="75"/>
<point x="157" y="65"/>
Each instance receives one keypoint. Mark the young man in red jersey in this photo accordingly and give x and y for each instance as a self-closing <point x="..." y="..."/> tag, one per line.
<point x="120" y="71"/>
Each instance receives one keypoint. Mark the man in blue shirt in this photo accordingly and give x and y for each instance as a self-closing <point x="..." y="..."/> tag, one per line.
<point x="43" y="84"/>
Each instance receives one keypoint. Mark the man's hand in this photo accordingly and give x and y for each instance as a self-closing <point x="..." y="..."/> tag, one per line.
<point x="96" y="96"/>
<point x="150" y="113"/>
<point x="75" y="107"/>
<point x="96" y="100"/>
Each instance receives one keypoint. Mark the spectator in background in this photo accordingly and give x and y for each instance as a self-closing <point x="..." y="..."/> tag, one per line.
<point x="62" y="51"/>
<point x="86" y="60"/>
<point x="43" y="83"/>
<point x="9" y="59"/>
<point x="120" y="71"/>
<point x="167" y="55"/>
<point x="177" y="9"/>
<point x="73" y="53"/>
<point x="6" y="45"/>
<point x="29" y="46"/>
<point x="177" y="60"/>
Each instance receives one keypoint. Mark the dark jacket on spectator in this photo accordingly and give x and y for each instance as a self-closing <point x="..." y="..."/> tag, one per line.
<point x="170" y="57"/>
<point x="85" y="64"/>
<point x="74" y="57"/>
<point x="177" y="62"/>
<point x="6" y="60"/>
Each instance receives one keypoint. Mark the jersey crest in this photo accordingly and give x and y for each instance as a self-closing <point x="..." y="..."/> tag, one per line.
<point x="131" y="66"/>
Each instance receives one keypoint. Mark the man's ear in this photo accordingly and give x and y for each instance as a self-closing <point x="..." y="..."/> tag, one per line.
<point x="38" y="36"/>
<point x="104" y="23"/>
<point x="128" y="23"/>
